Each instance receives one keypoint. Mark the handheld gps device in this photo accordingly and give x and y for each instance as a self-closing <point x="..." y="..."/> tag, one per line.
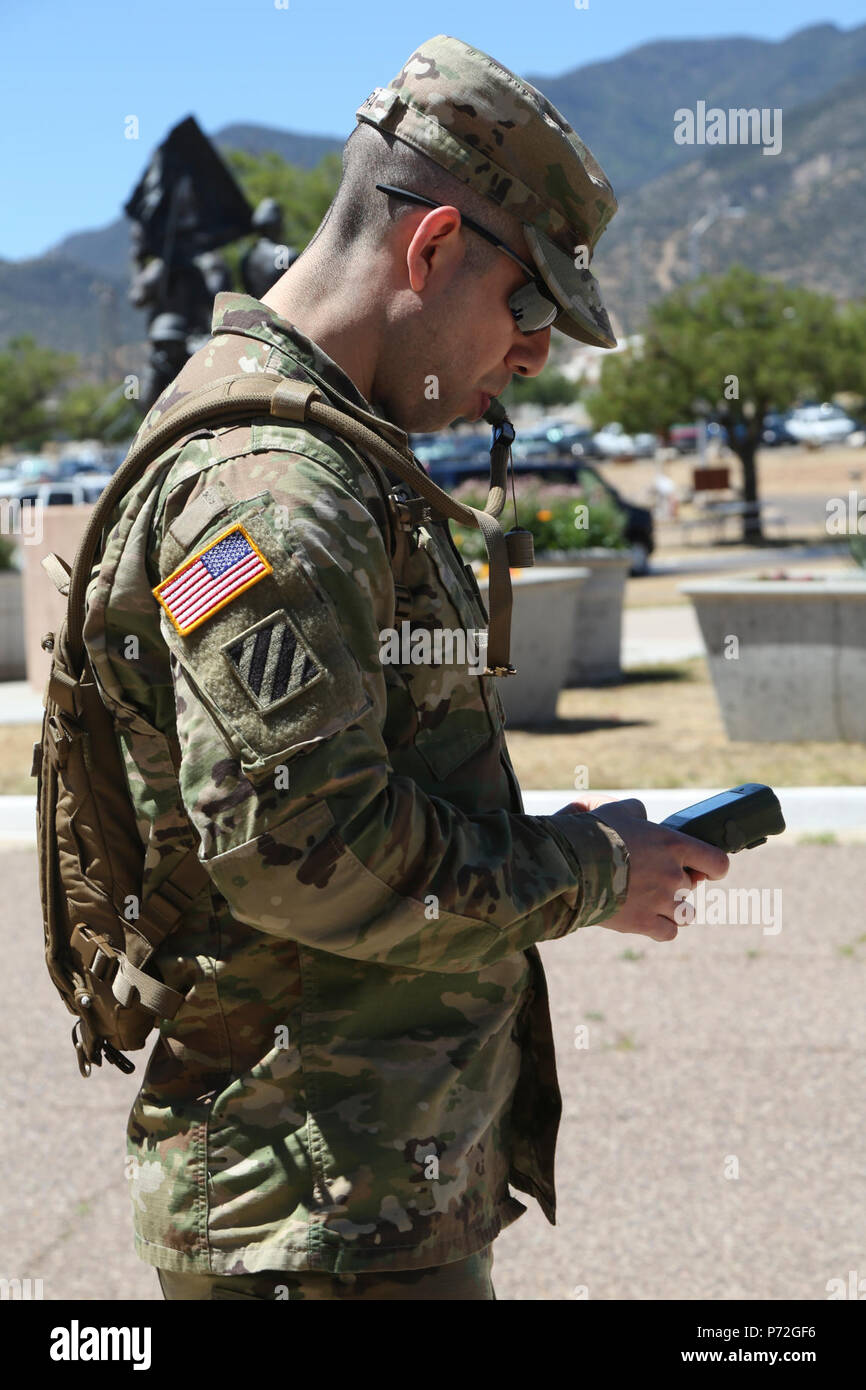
<point x="737" y="819"/>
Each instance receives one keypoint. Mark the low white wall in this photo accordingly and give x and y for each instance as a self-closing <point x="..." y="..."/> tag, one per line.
<point x="787" y="657"/>
<point x="543" y="618"/>
<point x="12" y="657"/>
<point x="596" y="647"/>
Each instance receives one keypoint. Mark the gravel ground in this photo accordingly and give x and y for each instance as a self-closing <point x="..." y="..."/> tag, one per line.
<point x="729" y="1051"/>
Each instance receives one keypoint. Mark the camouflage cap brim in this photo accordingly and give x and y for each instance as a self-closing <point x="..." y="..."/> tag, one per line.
<point x="584" y="316"/>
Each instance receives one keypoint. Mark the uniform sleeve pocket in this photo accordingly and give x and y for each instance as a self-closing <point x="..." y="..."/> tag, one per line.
<point x="273" y="667"/>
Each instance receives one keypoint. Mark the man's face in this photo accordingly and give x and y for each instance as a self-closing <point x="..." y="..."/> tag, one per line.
<point x="454" y="336"/>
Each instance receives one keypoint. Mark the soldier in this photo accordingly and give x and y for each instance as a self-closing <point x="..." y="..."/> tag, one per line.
<point x="363" y="1067"/>
<point x="264" y="263"/>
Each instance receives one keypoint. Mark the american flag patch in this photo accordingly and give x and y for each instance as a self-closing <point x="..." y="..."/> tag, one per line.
<point x="211" y="579"/>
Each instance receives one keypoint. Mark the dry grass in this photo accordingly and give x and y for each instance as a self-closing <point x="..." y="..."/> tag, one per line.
<point x="662" y="728"/>
<point x="783" y="472"/>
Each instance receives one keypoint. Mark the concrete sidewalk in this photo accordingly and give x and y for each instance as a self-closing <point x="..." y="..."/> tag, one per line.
<point x="19" y="703"/>
<point x="714" y="1109"/>
<point x="660" y="636"/>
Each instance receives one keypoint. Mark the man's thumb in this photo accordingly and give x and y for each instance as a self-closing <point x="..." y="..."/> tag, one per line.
<point x="630" y="806"/>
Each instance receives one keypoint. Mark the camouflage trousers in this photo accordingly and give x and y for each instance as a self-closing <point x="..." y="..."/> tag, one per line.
<point x="463" y="1280"/>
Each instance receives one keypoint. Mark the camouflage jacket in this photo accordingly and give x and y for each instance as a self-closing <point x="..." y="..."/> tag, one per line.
<point x="364" y="1059"/>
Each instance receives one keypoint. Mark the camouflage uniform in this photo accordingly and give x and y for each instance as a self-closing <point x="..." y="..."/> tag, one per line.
<point x="464" y="1280"/>
<point x="364" y="1060"/>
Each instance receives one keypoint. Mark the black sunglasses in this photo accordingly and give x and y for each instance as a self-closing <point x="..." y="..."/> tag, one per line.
<point x="531" y="305"/>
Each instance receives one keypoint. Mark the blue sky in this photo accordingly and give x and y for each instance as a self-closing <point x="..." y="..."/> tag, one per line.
<point x="74" y="69"/>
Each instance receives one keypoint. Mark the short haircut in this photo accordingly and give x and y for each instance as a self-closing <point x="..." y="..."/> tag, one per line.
<point x="360" y="213"/>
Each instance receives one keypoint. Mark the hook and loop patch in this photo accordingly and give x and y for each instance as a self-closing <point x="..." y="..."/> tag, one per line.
<point x="225" y="568"/>
<point x="272" y="661"/>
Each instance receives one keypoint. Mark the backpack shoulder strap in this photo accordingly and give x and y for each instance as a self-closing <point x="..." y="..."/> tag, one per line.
<point x="242" y="395"/>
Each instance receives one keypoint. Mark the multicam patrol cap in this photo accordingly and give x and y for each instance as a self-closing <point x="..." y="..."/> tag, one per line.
<point x="501" y="136"/>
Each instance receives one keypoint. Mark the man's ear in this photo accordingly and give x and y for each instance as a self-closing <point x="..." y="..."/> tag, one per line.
<point x="435" y="244"/>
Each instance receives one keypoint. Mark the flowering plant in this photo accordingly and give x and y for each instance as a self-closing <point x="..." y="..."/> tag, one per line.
<point x="561" y="518"/>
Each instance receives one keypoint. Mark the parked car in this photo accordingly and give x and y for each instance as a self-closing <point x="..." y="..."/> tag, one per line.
<point x="814" y="425"/>
<point x="527" y="450"/>
<point x="64" y="494"/>
<point x="76" y="468"/>
<point x="534" y="458"/>
<point x="579" y="443"/>
<point x="639" y="530"/>
<point x="36" y="469"/>
<point x="645" y="445"/>
<point x="451" y="461"/>
<point x="684" y="438"/>
<point x="775" y="430"/>
<point x="613" y="442"/>
<point x="10" y="483"/>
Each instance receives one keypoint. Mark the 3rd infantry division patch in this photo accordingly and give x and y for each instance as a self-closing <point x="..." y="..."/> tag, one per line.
<point x="272" y="661"/>
<point x="226" y="567"/>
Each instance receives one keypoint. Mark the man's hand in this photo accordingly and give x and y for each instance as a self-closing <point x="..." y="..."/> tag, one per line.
<point x="658" y="857"/>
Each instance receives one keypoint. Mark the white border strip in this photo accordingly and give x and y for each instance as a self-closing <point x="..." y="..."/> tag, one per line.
<point x="806" y="809"/>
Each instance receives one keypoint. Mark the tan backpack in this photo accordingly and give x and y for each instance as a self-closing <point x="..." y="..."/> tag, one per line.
<point x="91" y="856"/>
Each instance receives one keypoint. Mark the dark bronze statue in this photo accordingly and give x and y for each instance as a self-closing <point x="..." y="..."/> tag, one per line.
<point x="185" y="206"/>
<point x="266" y="260"/>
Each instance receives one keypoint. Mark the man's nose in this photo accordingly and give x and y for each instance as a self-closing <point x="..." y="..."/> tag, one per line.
<point x="529" y="352"/>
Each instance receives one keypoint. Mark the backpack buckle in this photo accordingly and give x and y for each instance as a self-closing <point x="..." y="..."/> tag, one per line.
<point x="83" y="1061"/>
<point x="97" y="955"/>
<point x="116" y="1058"/>
<point x="402" y="601"/>
<point x="410" y="511"/>
<point x="60" y="740"/>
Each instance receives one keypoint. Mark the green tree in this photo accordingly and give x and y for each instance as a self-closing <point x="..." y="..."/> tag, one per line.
<point x="303" y="194"/>
<point x="730" y="347"/>
<point x="550" y="387"/>
<point x="850" y="351"/>
<point x="88" y="411"/>
<point x="29" y="374"/>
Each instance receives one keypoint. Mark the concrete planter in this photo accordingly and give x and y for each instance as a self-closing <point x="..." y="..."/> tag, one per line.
<point x="597" y="634"/>
<point x="544" y="614"/>
<point x="44" y="607"/>
<point x="12" y="663"/>
<point x="800" y="666"/>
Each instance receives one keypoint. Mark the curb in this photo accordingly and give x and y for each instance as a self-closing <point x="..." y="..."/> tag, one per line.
<point x="807" y="810"/>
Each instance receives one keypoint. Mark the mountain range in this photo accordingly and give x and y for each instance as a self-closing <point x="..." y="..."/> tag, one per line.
<point x="799" y="214"/>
